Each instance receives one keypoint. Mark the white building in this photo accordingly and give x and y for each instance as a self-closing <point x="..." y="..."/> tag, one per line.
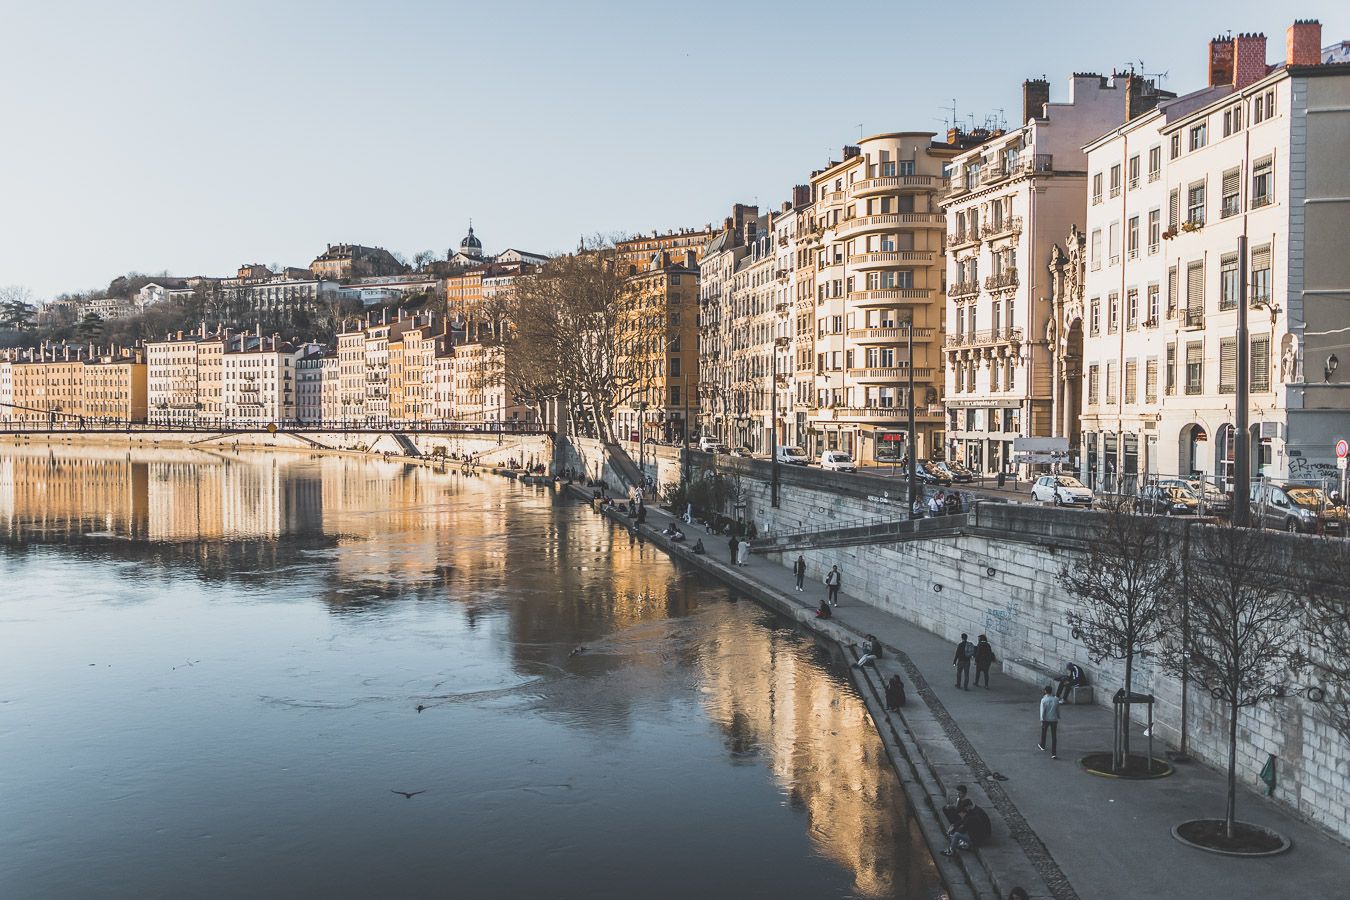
<point x="1259" y="154"/>
<point x="259" y="384"/>
<point x="1010" y="200"/>
<point x="172" y="389"/>
<point x="6" y="389"/>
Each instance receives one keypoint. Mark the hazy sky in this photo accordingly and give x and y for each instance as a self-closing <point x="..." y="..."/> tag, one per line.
<point x="194" y="136"/>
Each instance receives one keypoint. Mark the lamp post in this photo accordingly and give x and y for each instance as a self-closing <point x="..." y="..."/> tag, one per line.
<point x="778" y="343"/>
<point x="913" y="455"/>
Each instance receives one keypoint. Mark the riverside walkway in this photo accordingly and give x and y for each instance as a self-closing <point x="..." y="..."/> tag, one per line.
<point x="1058" y="831"/>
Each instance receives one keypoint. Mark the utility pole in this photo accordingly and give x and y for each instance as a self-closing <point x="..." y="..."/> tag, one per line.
<point x="913" y="454"/>
<point x="1242" y="475"/>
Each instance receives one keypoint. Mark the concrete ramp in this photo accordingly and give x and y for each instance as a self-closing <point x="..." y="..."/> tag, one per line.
<point x="406" y="444"/>
<point x="884" y="532"/>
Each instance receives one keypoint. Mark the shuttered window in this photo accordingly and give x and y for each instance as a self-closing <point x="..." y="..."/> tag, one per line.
<point x="1228" y="365"/>
<point x="1092" y="385"/>
<point x="1171" y="372"/>
<point x="1260" y="363"/>
<point x="1232" y="187"/>
<point x="1151" y="380"/>
<point x="1131" y="377"/>
<point x="1263" y="182"/>
<point x="1172" y="292"/>
<point x="1111" y="382"/>
<point x="1195" y="293"/>
<point x="1228" y="281"/>
<point x="1261" y="282"/>
<point x="1174" y="211"/>
<point x="1195" y="367"/>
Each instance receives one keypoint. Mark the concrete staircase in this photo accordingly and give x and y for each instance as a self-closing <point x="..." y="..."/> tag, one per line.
<point x="892" y="531"/>
<point x="406" y="444"/>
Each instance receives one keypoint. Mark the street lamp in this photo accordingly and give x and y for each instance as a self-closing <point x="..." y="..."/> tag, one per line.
<point x="913" y="455"/>
<point x="778" y="343"/>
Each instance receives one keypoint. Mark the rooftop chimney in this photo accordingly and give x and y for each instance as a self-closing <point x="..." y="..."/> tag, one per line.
<point x="1249" y="59"/>
<point x="1035" y="94"/>
<point x="1220" y="61"/>
<point x="1141" y="95"/>
<point x="1303" y="43"/>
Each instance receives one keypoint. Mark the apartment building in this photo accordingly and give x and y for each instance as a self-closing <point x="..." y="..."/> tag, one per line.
<point x="309" y="387"/>
<point x="49" y="384"/>
<point x="412" y="371"/>
<point x="876" y="248"/>
<point x="340" y="262"/>
<point x="6" y="386"/>
<point x="741" y="243"/>
<point x="330" y="391"/>
<point x="645" y="251"/>
<point x="351" y="391"/>
<point x="114" y="388"/>
<point x="258" y="383"/>
<point x="1255" y="155"/>
<point x="1010" y="200"/>
<point x="173" y="391"/>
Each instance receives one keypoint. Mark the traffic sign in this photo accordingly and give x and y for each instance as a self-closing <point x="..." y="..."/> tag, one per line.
<point x="1342" y="449"/>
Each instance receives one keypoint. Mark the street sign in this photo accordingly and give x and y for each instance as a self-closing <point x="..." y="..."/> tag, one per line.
<point x="1041" y="444"/>
<point x="1342" y="449"/>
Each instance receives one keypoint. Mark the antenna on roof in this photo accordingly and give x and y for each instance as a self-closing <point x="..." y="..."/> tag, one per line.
<point x="860" y="131"/>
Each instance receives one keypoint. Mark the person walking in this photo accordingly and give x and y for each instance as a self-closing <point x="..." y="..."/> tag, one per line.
<point x="735" y="546"/>
<point x="834" y="580"/>
<point x="984" y="658"/>
<point x="799" y="569"/>
<point x="965" y="652"/>
<point x="743" y="553"/>
<point x="1050" y="721"/>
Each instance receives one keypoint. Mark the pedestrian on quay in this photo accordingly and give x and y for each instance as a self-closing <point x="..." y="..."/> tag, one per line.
<point x="735" y="545"/>
<point x="641" y="512"/>
<point x="834" y="579"/>
<point x="984" y="658"/>
<point x="743" y="553"/>
<point x="1050" y="721"/>
<point x="895" y="694"/>
<point x="965" y="653"/>
<point x="799" y="569"/>
<point x="957" y="808"/>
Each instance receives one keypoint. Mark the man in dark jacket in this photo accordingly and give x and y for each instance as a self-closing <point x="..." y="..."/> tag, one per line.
<point x="1073" y="677"/>
<point x="799" y="569"/>
<point x="971" y="829"/>
<point x="984" y="658"/>
<point x="965" y="653"/>
<point x="734" y="544"/>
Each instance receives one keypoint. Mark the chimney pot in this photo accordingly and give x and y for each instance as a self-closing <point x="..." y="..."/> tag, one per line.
<point x="1035" y="94"/>
<point x="1249" y="59"/>
<point x="1220" y="61"/>
<point x="1303" y="43"/>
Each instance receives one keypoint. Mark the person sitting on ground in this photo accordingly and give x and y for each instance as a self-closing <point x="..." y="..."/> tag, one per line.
<point x="954" y="811"/>
<point x="935" y="505"/>
<point x="668" y="531"/>
<point x="677" y="536"/>
<point x="970" y="831"/>
<point x="698" y="547"/>
<point x="1073" y="677"/>
<point x="823" y="611"/>
<point x="895" y="693"/>
<point x="953" y="503"/>
<point x="918" y="508"/>
<point x="871" y="652"/>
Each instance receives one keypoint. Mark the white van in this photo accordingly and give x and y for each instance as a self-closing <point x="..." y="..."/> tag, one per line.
<point x="838" y="461"/>
<point x="793" y="456"/>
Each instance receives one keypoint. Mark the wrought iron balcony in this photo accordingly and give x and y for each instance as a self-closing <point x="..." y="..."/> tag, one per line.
<point x="1001" y="281"/>
<point x="983" y="338"/>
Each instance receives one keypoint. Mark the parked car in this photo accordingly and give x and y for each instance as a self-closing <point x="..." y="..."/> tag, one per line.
<point x="838" y="461"/>
<point x="1061" y="490"/>
<point x="793" y="456"/>
<point x="940" y="475"/>
<point x="1290" y="506"/>
<point x="709" y="444"/>
<point x="1167" y="500"/>
<point x="955" y="471"/>
<point x="1213" y="501"/>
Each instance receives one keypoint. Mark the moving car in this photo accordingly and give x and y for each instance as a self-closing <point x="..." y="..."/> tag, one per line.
<point x="1168" y="500"/>
<point x="838" y="461"/>
<point x="1061" y="490"/>
<point x="793" y="456"/>
<point x="1290" y="506"/>
<point x="709" y="444"/>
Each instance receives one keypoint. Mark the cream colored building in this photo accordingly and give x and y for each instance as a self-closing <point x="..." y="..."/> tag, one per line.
<point x="259" y="384"/>
<point x="173" y="392"/>
<point x="6" y="387"/>
<point x="114" y="388"/>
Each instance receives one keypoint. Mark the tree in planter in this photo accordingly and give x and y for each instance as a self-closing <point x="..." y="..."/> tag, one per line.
<point x="1125" y="587"/>
<point x="1243" y="637"/>
<point x="1325" y="601"/>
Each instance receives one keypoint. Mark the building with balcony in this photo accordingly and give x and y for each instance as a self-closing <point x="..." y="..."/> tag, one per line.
<point x="114" y="388"/>
<point x="172" y="392"/>
<point x="1255" y="154"/>
<point x="723" y="258"/>
<point x="1010" y="200"/>
<point x="259" y="383"/>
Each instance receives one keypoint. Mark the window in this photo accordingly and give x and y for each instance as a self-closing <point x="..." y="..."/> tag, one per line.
<point x="1195" y="203"/>
<point x="675" y="367"/>
<point x="1175" y="148"/>
<point x="1095" y="251"/>
<point x="960" y="319"/>
<point x="1132" y="237"/>
<point x="1151" y="380"/>
<point x="1111" y="382"/>
<point x="888" y="169"/>
<point x="1228" y="281"/>
<point x="1259" y="363"/>
<point x="1131" y="377"/>
<point x="1232" y="186"/>
<point x="1131" y="309"/>
<point x="1260" y="274"/>
<point x="1232" y="120"/>
<point x="1228" y="365"/>
<point x="1112" y="313"/>
<point x="1154" y="230"/>
<point x="1199" y="136"/>
<point x="906" y="167"/>
<point x="1153" y="310"/>
<point x="1263" y="177"/>
<point x="1172" y="298"/>
<point x="1174" y="211"/>
<point x="1195" y="293"/>
<point x="1171" y="372"/>
<point x="1154" y="163"/>
<point x="1115" y="180"/>
<point x="1113" y="242"/>
<point x="1097" y="188"/>
<point x="1095" y="316"/>
<point x="1092" y="385"/>
<point x="1195" y="367"/>
<point x="1133" y="172"/>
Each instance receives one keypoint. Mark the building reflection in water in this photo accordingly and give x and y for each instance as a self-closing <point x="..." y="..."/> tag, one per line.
<point x="354" y="532"/>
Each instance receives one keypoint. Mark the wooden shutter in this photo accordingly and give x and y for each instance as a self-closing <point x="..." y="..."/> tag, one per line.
<point x="1171" y="386"/>
<point x="1151" y="381"/>
<point x="1195" y="362"/>
<point x="1227" y="365"/>
<point x="1171" y="291"/>
<point x="1131" y="379"/>
<point x="1260" y="363"/>
<point x="1174" y="210"/>
<point x="1195" y="293"/>
<point x="1111" y="381"/>
<point x="1260" y="258"/>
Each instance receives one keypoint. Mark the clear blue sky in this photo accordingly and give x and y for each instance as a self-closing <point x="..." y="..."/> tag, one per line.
<point x="194" y="136"/>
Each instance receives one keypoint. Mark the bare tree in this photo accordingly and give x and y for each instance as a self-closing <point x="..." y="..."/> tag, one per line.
<point x="1243" y="639"/>
<point x="423" y="259"/>
<point x="1125" y="585"/>
<point x="1325" y="599"/>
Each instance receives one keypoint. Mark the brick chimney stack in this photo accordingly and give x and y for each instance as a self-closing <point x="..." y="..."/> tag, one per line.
<point x="1220" y="61"/>
<point x="1035" y="94"/>
<point x="1249" y="59"/>
<point x="1303" y="43"/>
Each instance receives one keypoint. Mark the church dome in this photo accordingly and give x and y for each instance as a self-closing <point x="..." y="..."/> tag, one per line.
<point x="471" y="245"/>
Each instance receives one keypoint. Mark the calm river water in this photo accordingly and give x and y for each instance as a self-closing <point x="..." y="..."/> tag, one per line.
<point x="211" y="667"/>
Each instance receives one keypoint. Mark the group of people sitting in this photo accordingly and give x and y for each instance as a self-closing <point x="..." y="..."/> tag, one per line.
<point x="939" y="503"/>
<point x="969" y="824"/>
<point x="673" y="532"/>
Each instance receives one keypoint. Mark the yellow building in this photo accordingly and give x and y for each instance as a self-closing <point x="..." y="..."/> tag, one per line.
<point x="114" y="388"/>
<point x="49" y="386"/>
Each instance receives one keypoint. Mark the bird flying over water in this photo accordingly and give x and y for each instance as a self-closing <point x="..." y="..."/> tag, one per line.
<point x="408" y="794"/>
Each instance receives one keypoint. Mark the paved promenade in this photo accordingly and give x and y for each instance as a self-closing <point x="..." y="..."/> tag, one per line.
<point x="1058" y="831"/>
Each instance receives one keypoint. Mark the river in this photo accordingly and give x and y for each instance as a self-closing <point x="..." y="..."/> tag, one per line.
<point x="211" y="668"/>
